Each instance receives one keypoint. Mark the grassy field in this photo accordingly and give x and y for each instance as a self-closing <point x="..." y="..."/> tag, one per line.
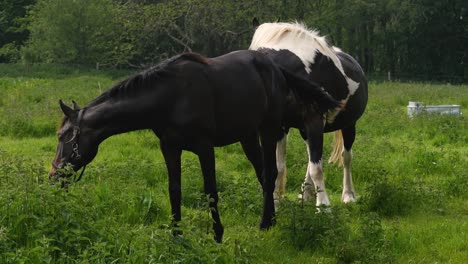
<point x="411" y="177"/>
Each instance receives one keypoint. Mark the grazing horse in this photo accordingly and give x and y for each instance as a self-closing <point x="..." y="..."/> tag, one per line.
<point x="193" y="103"/>
<point x="305" y="52"/>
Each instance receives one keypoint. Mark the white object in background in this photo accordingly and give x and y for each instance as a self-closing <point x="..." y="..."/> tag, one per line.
<point x="444" y="109"/>
<point x="415" y="108"/>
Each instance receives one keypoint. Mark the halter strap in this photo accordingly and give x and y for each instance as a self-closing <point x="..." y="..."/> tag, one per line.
<point x="75" y="146"/>
<point x="81" y="174"/>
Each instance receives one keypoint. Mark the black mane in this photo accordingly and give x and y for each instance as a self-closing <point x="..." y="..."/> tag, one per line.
<point x="142" y="80"/>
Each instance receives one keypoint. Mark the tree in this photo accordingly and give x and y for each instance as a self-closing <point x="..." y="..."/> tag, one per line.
<point x="13" y="34"/>
<point x="410" y="38"/>
<point x="70" y="31"/>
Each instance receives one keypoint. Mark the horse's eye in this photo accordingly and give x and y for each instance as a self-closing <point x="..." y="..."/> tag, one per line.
<point x="64" y="136"/>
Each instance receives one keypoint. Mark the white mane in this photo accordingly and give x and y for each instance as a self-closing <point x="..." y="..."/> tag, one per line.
<point x="300" y="40"/>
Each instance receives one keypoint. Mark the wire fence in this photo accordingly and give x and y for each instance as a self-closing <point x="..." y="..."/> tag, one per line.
<point x="435" y="78"/>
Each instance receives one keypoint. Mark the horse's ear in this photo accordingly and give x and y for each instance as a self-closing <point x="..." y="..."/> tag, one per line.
<point x="67" y="110"/>
<point x="76" y="107"/>
<point x="255" y="23"/>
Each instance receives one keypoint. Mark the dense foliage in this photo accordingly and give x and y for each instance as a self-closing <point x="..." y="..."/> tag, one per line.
<point x="410" y="177"/>
<point x="415" y="39"/>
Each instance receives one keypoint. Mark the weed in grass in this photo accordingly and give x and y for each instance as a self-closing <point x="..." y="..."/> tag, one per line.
<point x="340" y="232"/>
<point x="388" y="199"/>
<point x="148" y="206"/>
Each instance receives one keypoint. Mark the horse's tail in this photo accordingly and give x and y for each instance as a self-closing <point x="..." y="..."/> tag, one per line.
<point x="310" y="92"/>
<point x="336" y="154"/>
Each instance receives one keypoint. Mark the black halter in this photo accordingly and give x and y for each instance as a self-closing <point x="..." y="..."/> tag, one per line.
<point x="75" y="154"/>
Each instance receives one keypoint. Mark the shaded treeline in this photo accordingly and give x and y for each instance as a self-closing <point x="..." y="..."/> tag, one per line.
<point x="411" y="39"/>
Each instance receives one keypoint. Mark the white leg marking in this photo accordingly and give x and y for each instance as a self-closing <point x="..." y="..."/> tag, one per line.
<point x="348" y="194"/>
<point x="316" y="174"/>
<point x="307" y="188"/>
<point x="314" y="183"/>
<point x="280" y="185"/>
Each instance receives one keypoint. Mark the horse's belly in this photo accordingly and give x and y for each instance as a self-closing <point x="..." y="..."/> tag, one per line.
<point x="234" y="128"/>
<point x="227" y="137"/>
<point x="239" y="111"/>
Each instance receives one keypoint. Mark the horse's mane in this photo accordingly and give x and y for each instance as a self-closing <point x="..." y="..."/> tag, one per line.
<point x="145" y="79"/>
<point x="295" y="37"/>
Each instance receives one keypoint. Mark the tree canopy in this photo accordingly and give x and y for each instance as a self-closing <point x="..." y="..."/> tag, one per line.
<point x="415" y="39"/>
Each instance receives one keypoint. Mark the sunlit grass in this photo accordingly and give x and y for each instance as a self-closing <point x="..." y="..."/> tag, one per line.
<point x="410" y="177"/>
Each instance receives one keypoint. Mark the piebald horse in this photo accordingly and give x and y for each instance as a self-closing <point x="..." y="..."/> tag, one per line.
<point x="304" y="52"/>
<point x="194" y="103"/>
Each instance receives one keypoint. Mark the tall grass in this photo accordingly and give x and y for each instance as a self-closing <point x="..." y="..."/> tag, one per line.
<point x="410" y="177"/>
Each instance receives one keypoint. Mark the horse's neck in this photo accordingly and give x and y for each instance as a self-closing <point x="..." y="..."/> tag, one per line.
<point x="115" y="117"/>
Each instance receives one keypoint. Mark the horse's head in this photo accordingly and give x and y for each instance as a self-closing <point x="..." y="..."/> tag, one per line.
<point x="76" y="143"/>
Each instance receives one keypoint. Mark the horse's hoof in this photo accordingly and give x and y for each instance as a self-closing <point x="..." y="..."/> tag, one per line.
<point x="323" y="209"/>
<point x="306" y="195"/>
<point x="265" y="225"/>
<point x="218" y="237"/>
<point x="176" y="233"/>
<point x="348" y="197"/>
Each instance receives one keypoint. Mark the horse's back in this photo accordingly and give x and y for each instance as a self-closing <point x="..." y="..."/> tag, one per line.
<point x="230" y="96"/>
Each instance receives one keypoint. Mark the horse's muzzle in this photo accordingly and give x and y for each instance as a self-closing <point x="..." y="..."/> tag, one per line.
<point x="55" y="172"/>
<point x="52" y="172"/>
<point x="54" y="175"/>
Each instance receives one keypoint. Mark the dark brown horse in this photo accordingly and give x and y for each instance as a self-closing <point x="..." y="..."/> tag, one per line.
<point x="193" y="103"/>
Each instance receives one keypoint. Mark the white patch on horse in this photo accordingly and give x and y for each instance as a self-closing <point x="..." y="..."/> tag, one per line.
<point x="300" y="40"/>
<point x="352" y="86"/>
<point x="314" y="183"/>
<point x="348" y="194"/>
<point x="280" y="186"/>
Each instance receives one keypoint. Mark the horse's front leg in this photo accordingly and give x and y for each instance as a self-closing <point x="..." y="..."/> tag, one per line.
<point x="172" y="153"/>
<point x="205" y="152"/>
<point x="314" y="176"/>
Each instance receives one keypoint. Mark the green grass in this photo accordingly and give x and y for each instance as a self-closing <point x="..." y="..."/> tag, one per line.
<point x="410" y="176"/>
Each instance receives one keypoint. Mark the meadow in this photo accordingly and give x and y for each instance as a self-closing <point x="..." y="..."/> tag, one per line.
<point x="410" y="175"/>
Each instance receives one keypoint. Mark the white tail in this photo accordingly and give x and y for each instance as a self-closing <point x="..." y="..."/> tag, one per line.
<point x="336" y="154"/>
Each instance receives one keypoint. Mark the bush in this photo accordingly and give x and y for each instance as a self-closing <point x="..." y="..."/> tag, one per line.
<point x="10" y="52"/>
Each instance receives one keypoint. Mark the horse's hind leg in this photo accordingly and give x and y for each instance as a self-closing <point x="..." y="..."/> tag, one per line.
<point x="280" y="185"/>
<point x="205" y="152"/>
<point x="349" y="135"/>
<point x="253" y="151"/>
